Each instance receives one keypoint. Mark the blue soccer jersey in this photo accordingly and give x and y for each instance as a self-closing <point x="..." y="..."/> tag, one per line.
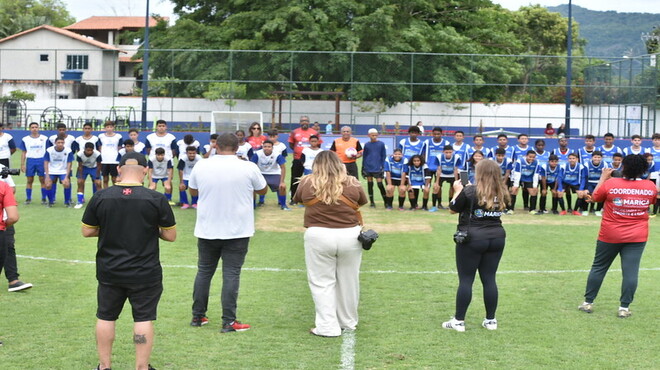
<point x="471" y="150"/>
<point x="630" y="150"/>
<point x="416" y="175"/>
<point x="563" y="156"/>
<point x="409" y="148"/>
<point x="574" y="176"/>
<point x="447" y="166"/>
<point x="394" y="168"/>
<point x="608" y="153"/>
<point x="551" y="174"/>
<point x="520" y="152"/>
<point x="431" y="150"/>
<point x="505" y="165"/>
<point x="542" y="157"/>
<point x="584" y="154"/>
<point x="594" y="172"/>
<point x="656" y="155"/>
<point x="461" y="151"/>
<point x="508" y="149"/>
<point x="526" y="170"/>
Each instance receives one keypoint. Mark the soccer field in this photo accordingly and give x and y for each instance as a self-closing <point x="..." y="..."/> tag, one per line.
<point x="408" y="285"/>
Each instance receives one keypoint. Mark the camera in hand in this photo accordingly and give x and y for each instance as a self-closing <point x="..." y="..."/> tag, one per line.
<point x="6" y="171"/>
<point x="617" y="173"/>
<point x="461" y="237"/>
<point x="367" y="238"/>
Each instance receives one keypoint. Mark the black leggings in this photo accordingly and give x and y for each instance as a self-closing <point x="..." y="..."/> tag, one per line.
<point x="483" y="255"/>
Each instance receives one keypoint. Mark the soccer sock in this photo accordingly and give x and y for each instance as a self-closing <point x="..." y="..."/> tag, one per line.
<point x="381" y="187"/>
<point x="93" y="187"/>
<point x="262" y="198"/>
<point x="578" y="204"/>
<point x="434" y="199"/>
<point x="600" y="206"/>
<point x="569" y="199"/>
<point x="401" y="201"/>
<point x="67" y="195"/>
<point x="370" y="191"/>
<point x="425" y="202"/>
<point x="44" y="193"/>
<point x="532" y="202"/>
<point x="389" y="201"/>
<point x="281" y="200"/>
<point x="53" y="191"/>
<point x="168" y="196"/>
<point x="513" y="202"/>
<point x="543" y="202"/>
<point x="28" y="194"/>
<point x="194" y="199"/>
<point x="413" y="201"/>
<point x="183" y="197"/>
<point x="81" y="198"/>
<point x="525" y="196"/>
<point x="561" y="203"/>
<point x="555" y="201"/>
<point x="655" y="207"/>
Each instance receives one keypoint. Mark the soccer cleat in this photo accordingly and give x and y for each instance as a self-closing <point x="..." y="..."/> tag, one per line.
<point x="585" y="213"/>
<point x="599" y="213"/>
<point x="490" y="324"/>
<point x="623" y="313"/>
<point x="433" y="209"/>
<point x="563" y="213"/>
<point x="372" y="205"/>
<point x="457" y="325"/>
<point x="388" y="208"/>
<point x="425" y="209"/>
<point x="98" y="367"/>
<point x="652" y="215"/>
<point x="67" y="205"/>
<point x="401" y="209"/>
<point x="171" y="203"/>
<point x="545" y="211"/>
<point x="27" y="202"/>
<point x="44" y="202"/>
<point x="260" y="204"/>
<point x="194" y="206"/>
<point x="234" y="326"/>
<point x="510" y="212"/>
<point x="78" y="206"/>
<point x="50" y="205"/>
<point x="578" y="213"/>
<point x="555" y="212"/>
<point x="185" y="206"/>
<point x="285" y="208"/>
<point x="535" y="213"/>
<point x="586" y="307"/>
<point x="440" y="206"/>
<point x="18" y="286"/>
<point x="198" y="321"/>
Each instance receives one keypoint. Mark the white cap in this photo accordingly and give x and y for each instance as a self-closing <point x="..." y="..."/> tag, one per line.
<point x="372" y="131"/>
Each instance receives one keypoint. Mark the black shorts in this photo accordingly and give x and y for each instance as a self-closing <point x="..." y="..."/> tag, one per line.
<point x="571" y="188"/>
<point x="449" y="180"/>
<point x="549" y="185"/>
<point x="375" y="175"/>
<point x="5" y="162"/>
<point x="429" y="173"/>
<point x="109" y="170"/>
<point x="144" y="300"/>
<point x="396" y="182"/>
<point x="527" y="184"/>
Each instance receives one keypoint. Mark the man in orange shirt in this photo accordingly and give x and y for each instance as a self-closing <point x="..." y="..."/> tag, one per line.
<point x="344" y="146"/>
<point x="299" y="140"/>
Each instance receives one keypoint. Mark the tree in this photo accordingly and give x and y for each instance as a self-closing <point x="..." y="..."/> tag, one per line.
<point x="21" y="15"/>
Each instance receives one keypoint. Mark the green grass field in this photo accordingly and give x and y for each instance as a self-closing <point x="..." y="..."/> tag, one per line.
<point x="408" y="286"/>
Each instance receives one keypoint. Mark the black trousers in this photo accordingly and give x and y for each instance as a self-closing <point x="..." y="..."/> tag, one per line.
<point x="483" y="256"/>
<point x="10" y="264"/>
<point x="297" y="169"/>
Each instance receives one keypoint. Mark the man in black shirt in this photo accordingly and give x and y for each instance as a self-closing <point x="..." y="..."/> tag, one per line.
<point x="128" y="219"/>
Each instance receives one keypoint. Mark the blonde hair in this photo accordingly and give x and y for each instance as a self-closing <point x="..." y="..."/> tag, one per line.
<point x="491" y="190"/>
<point x="328" y="177"/>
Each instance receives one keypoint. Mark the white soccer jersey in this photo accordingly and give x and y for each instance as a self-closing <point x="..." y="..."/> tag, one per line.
<point x="310" y="154"/>
<point x="6" y="144"/>
<point x="160" y="168"/>
<point x="243" y="151"/>
<point x="109" y="148"/>
<point x="68" y="140"/>
<point x="89" y="162"/>
<point x="81" y="141"/>
<point x="34" y="147"/>
<point x="154" y="142"/>
<point x="57" y="161"/>
<point x="182" y="147"/>
<point x="280" y="148"/>
<point x="268" y="164"/>
<point x="207" y="147"/>
<point x="186" y="165"/>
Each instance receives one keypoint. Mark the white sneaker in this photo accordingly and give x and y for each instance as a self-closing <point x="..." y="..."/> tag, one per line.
<point x="599" y="213"/>
<point x="457" y="325"/>
<point x="78" y="206"/>
<point x="585" y="213"/>
<point x="490" y="324"/>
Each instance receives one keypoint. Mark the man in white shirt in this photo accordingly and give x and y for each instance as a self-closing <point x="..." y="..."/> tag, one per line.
<point x="161" y="139"/>
<point x="109" y="144"/>
<point x="32" y="161"/>
<point x="57" y="165"/>
<point x="7" y="146"/>
<point x="68" y="139"/>
<point x="87" y="137"/>
<point x="225" y="185"/>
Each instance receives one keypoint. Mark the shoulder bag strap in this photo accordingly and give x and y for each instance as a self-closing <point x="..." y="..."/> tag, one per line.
<point x="353" y="205"/>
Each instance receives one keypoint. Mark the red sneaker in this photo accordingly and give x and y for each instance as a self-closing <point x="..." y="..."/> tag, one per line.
<point x="577" y="213"/>
<point x="562" y="213"/>
<point x="199" y="321"/>
<point x="234" y="326"/>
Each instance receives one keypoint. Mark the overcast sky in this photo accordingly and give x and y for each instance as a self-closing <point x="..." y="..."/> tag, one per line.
<point x="82" y="9"/>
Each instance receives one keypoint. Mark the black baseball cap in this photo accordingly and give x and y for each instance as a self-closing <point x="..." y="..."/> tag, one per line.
<point x="133" y="158"/>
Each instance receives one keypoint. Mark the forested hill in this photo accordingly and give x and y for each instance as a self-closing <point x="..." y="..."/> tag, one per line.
<point x="611" y="33"/>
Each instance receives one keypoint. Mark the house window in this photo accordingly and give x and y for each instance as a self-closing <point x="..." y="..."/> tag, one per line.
<point x="63" y="96"/>
<point x="77" y="62"/>
<point x="122" y="70"/>
<point x="43" y="57"/>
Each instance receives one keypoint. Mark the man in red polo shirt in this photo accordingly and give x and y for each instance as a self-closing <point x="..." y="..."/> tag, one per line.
<point x="299" y="140"/>
<point x="624" y="229"/>
<point x="340" y="145"/>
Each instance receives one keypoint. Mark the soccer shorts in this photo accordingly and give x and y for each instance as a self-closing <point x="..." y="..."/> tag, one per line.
<point x="429" y="174"/>
<point x="571" y="188"/>
<point x="527" y="184"/>
<point x="34" y="166"/>
<point x="396" y="182"/>
<point x="273" y="182"/>
<point x="54" y="178"/>
<point x="163" y="179"/>
<point x="143" y="298"/>
<point x="109" y="169"/>
<point x="375" y="175"/>
<point x="307" y="172"/>
<point x="449" y="180"/>
<point x="86" y="171"/>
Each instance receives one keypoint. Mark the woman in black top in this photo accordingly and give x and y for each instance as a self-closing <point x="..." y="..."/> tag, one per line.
<point x="480" y="207"/>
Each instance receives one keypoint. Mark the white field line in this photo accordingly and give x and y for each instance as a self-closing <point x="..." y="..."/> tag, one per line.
<point x="275" y="269"/>
<point x="348" y="340"/>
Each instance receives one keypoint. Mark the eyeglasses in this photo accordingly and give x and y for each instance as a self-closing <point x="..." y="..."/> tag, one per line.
<point x="256" y="128"/>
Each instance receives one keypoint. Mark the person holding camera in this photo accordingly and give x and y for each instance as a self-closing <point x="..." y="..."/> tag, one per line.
<point x="624" y="229"/>
<point x="479" y="240"/>
<point x="333" y="252"/>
